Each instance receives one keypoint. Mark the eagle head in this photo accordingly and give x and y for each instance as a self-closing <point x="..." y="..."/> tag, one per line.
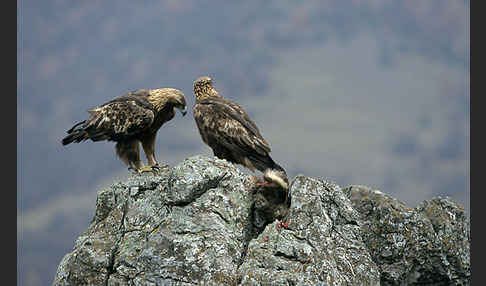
<point x="162" y="96"/>
<point x="203" y="81"/>
<point x="203" y="88"/>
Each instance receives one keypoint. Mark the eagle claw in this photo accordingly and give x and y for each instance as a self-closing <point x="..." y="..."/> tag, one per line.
<point x="158" y="167"/>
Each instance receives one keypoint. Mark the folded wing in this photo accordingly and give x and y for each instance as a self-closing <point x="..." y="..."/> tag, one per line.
<point x="224" y="123"/>
<point x="118" y="119"/>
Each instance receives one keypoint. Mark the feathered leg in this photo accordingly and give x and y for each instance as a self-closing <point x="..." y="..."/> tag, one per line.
<point x="148" y="144"/>
<point x="129" y="153"/>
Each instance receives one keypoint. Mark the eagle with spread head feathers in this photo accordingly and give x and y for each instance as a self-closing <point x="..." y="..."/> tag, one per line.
<point x="130" y="119"/>
<point x="232" y="135"/>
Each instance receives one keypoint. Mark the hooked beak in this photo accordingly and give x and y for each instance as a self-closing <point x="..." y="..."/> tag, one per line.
<point x="183" y="110"/>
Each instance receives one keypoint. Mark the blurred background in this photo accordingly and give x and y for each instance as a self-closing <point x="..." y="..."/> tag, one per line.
<point x="357" y="92"/>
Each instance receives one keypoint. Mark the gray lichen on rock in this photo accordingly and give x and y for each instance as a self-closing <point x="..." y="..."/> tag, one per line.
<point x="322" y="245"/>
<point x="426" y="245"/>
<point x="202" y="223"/>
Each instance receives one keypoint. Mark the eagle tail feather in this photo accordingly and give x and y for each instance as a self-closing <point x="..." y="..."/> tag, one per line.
<point x="265" y="162"/>
<point x="98" y="136"/>
<point x="75" y="136"/>
<point x="76" y="125"/>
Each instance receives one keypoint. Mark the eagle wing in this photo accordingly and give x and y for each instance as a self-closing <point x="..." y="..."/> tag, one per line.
<point x="120" y="118"/>
<point x="221" y="121"/>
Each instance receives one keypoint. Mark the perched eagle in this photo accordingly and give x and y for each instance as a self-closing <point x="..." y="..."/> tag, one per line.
<point x="232" y="135"/>
<point x="130" y="119"/>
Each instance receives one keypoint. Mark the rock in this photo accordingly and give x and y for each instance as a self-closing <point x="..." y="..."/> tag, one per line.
<point x="322" y="245"/>
<point x="203" y="223"/>
<point x="426" y="245"/>
<point x="187" y="225"/>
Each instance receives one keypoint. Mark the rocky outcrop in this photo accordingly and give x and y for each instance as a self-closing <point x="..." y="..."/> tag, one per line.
<point x="322" y="244"/>
<point x="203" y="223"/>
<point x="426" y="245"/>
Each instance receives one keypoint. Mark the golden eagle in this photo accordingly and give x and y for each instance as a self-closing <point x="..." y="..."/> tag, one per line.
<point x="232" y="135"/>
<point x="130" y="119"/>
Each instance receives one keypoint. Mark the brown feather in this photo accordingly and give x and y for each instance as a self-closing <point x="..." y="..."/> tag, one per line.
<point x="227" y="129"/>
<point x="130" y="119"/>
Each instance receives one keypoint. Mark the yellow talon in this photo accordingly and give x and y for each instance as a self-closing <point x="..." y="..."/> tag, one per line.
<point x="153" y="169"/>
<point x="146" y="169"/>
